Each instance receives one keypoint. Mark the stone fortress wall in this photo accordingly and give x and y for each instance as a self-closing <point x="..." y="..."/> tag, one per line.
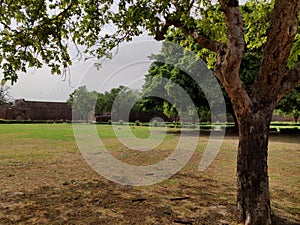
<point x="36" y="110"/>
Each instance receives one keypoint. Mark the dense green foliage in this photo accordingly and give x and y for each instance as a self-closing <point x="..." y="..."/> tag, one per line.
<point x="167" y="65"/>
<point x="105" y="100"/>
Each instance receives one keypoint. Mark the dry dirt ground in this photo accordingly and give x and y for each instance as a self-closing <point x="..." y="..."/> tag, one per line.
<point x="48" y="182"/>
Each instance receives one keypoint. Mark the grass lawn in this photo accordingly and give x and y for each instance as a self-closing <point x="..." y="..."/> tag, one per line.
<point x="44" y="180"/>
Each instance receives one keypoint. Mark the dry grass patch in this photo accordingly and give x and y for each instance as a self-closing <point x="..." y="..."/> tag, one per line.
<point x="45" y="180"/>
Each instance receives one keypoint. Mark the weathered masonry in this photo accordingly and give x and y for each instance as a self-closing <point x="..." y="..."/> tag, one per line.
<point x="36" y="110"/>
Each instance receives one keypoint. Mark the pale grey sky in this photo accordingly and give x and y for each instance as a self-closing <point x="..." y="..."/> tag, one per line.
<point x="129" y="64"/>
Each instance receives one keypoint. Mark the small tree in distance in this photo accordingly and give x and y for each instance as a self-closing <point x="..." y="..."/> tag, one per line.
<point x="4" y="95"/>
<point x="83" y="101"/>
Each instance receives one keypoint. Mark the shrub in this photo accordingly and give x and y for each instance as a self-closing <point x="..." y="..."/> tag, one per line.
<point x="206" y="127"/>
<point x="273" y="129"/>
<point x="4" y="121"/>
<point x="162" y="124"/>
<point x="171" y="125"/>
<point x="280" y="124"/>
<point x="289" y="131"/>
<point x="178" y="125"/>
<point x="137" y="123"/>
<point x="231" y="129"/>
<point x="154" y="123"/>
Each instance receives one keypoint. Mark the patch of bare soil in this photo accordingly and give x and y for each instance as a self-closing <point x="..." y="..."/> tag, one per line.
<point x="65" y="190"/>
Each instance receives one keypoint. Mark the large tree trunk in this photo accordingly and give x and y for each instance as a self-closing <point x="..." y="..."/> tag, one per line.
<point x="252" y="169"/>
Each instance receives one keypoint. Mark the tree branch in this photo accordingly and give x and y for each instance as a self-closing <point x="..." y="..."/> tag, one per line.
<point x="290" y="81"/>
<point x="283" y="29"/>
<point x="236" y="43"/>
<point x="227" y="68"/>
<point x="204" y="41"/>
<point x="201" y="39"/>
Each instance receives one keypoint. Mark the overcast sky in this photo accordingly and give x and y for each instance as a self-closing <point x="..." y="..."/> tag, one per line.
<point x="127" y="68"/>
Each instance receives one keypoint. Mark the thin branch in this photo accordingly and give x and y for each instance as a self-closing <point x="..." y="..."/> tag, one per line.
<point x="78" y="52"/>
<point x="204" y="41"/>
<point x="62" y="13"/>
<point x="179" y="8"/>
<point x="50" y="20"/>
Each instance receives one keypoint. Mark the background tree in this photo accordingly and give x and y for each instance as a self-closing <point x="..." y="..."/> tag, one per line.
<point x="164" y="66"/>
<point x="4" y="95"/>
<point x="126" y="101"/>
<point x="114" y="102"/>
<point x="106" y="100"/>
<point x="290" y="104"/>
<point x="83" y="101"/>
<point x="39" y="31"/>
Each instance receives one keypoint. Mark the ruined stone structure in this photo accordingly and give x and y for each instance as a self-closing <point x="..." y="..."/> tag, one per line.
<point x="36" y="110"/>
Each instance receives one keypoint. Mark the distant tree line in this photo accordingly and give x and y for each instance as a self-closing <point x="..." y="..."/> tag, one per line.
<point x="107" y="103"/>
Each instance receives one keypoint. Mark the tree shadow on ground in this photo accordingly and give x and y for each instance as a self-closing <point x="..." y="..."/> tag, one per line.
<point x="286" y="138"/>
<point x="278" y="220"/>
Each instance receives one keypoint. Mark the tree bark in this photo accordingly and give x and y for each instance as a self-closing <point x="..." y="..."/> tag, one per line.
<point x="253" y="198"/>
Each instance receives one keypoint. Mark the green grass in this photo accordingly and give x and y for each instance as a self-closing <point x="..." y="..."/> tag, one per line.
<point x="40" y="141"/>
<point x="64" y="132"/>
<point x="45" y="131"/>
<point x="143" y="132"/>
